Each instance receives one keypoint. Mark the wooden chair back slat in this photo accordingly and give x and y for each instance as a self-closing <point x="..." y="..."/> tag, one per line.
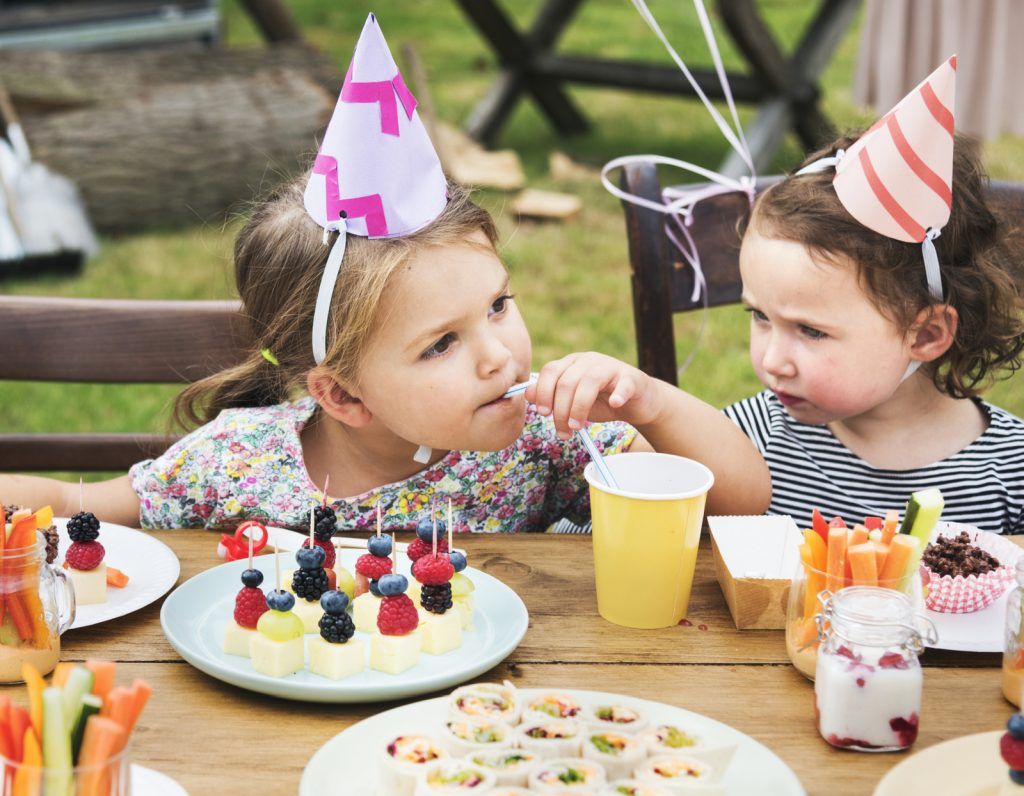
<point x="663" y="282"/>
<point x="115" y="342"/>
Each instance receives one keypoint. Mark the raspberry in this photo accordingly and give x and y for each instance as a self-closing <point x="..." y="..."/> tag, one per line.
<point x="1012" y="750"/>
<point x="250" y="605"/>
<point x="84" y="555"/>
<point x="372" y="566"/>
<point x="328" y="547"/>
<point x="397" y="616"/>
<point x="418" y="548"/>
<point x="431" y="570"/>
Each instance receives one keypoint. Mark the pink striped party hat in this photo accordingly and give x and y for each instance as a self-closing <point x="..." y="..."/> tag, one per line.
<point x="377" y="174"/>
<point x="897" y="179"/>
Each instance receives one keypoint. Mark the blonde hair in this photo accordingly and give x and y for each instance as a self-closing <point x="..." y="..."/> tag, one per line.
<point x="279" y="260"/>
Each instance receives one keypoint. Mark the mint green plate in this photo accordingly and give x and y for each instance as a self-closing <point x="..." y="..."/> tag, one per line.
<point x="194" y="615"/>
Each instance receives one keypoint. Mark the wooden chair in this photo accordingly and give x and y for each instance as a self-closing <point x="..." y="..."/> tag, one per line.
<point x="108" y="341"/>
<point x="662" y="282"/>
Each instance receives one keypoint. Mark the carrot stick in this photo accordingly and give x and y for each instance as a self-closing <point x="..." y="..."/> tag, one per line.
<point x="26" y="781"/>
<point x="862" y="562"/>
<point x="819" y="552"/>
<point x="881" y="553"/>
<point x="23" y="533"/>
<point x="60" y="674"/>
<point x="836" y="569"/>
<point x="20" y="617"/>
<point x="20" y="722"/>
<point x="116" y="578"/>
<point x="103" y="739"/>
<point x="35" y="684"/>
<point x="902" y="550"/>
<point x="807" y="634"/>
<point x="103" y="676"/>
<point x="892" y="521"/>
<point x="141" y="691"/>
<point x="858" y="535"/>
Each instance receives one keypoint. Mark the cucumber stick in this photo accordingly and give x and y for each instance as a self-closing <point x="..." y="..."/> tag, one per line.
<point x="90" y="706"/>
<point x="923" y="511"/>
<point x="56" y="745"/>
<point x="78" y="684"/>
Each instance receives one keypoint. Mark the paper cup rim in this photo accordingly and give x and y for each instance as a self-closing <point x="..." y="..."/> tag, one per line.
<point x="589" y="473"/>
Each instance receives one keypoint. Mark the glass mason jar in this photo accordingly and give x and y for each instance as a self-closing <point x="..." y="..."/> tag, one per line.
<point x="867" y="689"/>
<point x="1013" y="649"/>
<point x="804" y="604"/>
<point x="37" y="604"/>
<point x="110" y="777"/>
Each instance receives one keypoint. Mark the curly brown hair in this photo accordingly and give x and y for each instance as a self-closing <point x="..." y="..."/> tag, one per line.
<point x="978" y="257"/>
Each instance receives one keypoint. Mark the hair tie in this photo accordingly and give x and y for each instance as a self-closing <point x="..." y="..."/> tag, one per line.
<point x="268" y="355"/>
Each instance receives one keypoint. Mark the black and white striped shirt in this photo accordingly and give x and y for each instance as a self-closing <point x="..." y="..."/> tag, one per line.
<point x="983" y="484"/>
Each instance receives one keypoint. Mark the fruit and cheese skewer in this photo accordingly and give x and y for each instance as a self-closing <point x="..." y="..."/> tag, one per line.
<point x="250" y="605"/>
<point x="370" y="567"/>
<point x="335" y="653"/>
<point x="310" y="581"/>
<point x="277" y="650"/>
<point x="442" y="631"/>
<point x="396" y="645"/>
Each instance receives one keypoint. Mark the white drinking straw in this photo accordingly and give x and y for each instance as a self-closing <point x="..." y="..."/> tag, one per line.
<point x="599" y="462"/>
<point x="515" y="389"/>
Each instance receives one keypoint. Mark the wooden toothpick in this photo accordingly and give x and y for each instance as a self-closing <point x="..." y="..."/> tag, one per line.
<point x="451" y="546"/>
<point x="435" y="537"/>
<point x="312" y="524"/>
<point x="378" y="518"/>
<point x="249" y="536"/>
<point x="277" y="568"/>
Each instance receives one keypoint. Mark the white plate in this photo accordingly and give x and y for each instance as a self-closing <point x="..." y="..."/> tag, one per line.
<point x="754" y="769"/>
<point x="980" y="631"/>
<point x="194" y="615"/>
<point x="147" y="782"/>
<point x="967" y="766"/>
<point x="151" y="567"/>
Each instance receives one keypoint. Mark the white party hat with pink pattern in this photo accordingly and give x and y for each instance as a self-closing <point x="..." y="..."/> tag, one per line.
<point x="897" y="179"/>
<point x="377" y="173"/>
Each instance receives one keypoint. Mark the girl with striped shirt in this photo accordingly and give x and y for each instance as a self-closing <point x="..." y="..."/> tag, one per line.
<point x="840" y="313"/>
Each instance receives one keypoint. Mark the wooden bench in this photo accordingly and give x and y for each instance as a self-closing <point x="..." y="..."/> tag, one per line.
<point x="113" y="342"/>
<point x="662" y="283"/>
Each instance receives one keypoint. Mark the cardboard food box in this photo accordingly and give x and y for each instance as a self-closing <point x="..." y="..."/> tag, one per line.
<point x="755" y="558"/>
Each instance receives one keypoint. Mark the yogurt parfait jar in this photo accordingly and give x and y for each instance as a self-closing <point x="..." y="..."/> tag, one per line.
<point x="868" y="682"/>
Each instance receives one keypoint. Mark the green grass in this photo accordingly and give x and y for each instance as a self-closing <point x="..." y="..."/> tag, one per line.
<point x="572" y="280"/>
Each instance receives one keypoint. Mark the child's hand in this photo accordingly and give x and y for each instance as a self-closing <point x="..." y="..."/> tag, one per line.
<point x="593" y="387"/>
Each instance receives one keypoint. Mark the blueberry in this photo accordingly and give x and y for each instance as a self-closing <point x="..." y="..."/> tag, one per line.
<point x="1017" y="776"/>
<point x="334" y="602"/>
<point x="280" y="600"/>
<point x="392" y="585"/>
<point x="252" y="578"/>
<point x="1016" y="725"/>
<point x="310" y="557"/>
<point x="375" y="589"/>
<point x="425" y="529"/>
<point x="379" y="545"/>
<point x="458" y="560"/>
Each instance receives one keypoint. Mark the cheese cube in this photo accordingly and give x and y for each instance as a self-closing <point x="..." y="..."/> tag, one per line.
<point x="336" y="661"/>
<point x="441" y="632"/>
<point x="394" y="654"/>
<point x="237" y="638"/>
<point x="415" y="591"/>
<point x="364" y="612"/>
<point x="90" y="586"/>
<point x="309" y="613"/>
<point x="276" y="658"/>
<point x="464" y="606"/>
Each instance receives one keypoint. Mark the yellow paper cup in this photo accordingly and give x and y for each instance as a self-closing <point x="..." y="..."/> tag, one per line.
<point x="646" y="533"/>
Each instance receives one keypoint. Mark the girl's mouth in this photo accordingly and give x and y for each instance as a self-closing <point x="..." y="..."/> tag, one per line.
<point x="499" y="401"/>
<point x="786" y="399"/>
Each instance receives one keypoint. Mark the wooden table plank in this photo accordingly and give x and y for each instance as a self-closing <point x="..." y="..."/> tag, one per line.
<point x="207" y="734"/>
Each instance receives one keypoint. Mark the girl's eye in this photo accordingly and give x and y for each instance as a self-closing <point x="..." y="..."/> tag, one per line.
<point x="757" y="315"/>
<point x="501" y="304"/>
<point x="440" y="347"/>
<point x="812" y="334"/>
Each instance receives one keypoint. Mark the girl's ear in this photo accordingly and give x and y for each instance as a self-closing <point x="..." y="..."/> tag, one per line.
<point x="932" y="332"/>
<point x="336" y="399"/>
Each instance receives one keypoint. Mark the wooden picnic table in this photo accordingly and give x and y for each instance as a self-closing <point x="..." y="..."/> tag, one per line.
<point x="215" y="738"/>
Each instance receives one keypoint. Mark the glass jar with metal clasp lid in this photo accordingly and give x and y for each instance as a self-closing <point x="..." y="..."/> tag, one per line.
<point x="868" y="682"/>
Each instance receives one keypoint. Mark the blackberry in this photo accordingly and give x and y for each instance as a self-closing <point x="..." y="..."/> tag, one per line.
<point x="437" y="599"/>
<point x="325" y="522"/>
<point x="309" y="584"/>
<point x="52" y="542"/>
<point x="84" y="527"/>
<point x="336" y="628"/>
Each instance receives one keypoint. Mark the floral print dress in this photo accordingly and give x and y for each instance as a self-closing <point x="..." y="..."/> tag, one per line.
<point x="248" y="464"/>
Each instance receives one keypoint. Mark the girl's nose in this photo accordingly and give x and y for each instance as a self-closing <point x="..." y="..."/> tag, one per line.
<point x="494" y="356"/>
<point x="777" y="359"/>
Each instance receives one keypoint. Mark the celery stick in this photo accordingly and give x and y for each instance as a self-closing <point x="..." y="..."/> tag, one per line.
<point x="90" y="706"/>
<point x="78" y="684"/>
<point x="56" y="745"/>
